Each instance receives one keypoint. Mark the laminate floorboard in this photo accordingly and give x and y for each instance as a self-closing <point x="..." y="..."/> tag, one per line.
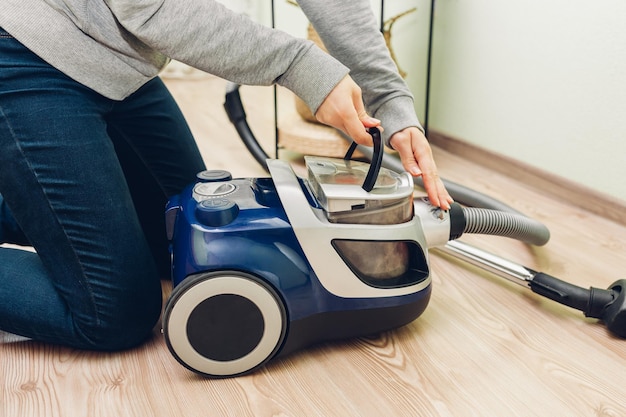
<point x="483" y="347"/>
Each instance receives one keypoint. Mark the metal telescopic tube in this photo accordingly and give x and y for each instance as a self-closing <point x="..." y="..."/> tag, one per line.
<point x="489" y="262"/>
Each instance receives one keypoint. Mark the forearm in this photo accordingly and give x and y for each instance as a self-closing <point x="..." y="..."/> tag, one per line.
<point x="351" y="34"/>
<point x="208" y="36"/>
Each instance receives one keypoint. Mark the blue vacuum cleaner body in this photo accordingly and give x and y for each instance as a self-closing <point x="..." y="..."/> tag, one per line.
<point x="262" y="267"/>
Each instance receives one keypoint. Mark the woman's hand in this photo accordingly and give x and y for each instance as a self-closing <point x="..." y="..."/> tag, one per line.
<point x="343" y="109"/>
<point x="417" y="158"/>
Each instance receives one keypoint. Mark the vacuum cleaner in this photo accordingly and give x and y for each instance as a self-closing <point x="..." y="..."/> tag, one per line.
<point x="263" y="267"/>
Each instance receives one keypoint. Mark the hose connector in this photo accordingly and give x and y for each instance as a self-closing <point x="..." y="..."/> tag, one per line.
<point x="457" y="221"/>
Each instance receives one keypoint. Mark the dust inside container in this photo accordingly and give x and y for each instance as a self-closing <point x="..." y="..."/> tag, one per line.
<point x="337" y="186"/>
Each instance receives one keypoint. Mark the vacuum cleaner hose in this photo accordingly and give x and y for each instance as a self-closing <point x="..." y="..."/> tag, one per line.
<point x="237" y="116"/>
<point x="494" y="222"/>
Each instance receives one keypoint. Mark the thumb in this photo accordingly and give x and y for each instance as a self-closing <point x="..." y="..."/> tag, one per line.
<point x="366" y="119"/>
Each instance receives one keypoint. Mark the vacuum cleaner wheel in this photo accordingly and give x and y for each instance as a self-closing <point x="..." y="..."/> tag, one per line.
<point x="224" y="323"/>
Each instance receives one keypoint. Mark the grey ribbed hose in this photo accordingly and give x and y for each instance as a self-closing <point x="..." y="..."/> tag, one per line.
<point x="493" y="222"/>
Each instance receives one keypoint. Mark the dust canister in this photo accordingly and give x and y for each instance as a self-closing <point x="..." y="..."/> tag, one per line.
<point x="337" y="186"/>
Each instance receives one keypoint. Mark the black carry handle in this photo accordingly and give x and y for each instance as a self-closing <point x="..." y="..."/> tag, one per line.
<point x="377" y="158"/>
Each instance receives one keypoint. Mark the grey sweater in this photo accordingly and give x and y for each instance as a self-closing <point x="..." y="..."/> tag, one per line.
<point x="115" y="46"/>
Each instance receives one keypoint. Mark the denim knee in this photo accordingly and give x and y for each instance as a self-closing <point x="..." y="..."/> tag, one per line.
<point x="128" y="321"/>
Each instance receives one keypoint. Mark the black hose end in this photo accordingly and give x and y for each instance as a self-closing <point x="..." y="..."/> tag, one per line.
<point x="607" y="305"/>
<point x="457" y="221"/>
<point x="614" y="315"/>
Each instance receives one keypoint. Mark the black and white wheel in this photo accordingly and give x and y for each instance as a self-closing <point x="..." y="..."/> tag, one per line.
<point x="224" y="323"/>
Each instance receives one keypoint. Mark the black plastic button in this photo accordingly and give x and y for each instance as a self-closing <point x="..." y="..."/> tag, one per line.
<point x="214" y="175"/>
<point x="216" y="212"/>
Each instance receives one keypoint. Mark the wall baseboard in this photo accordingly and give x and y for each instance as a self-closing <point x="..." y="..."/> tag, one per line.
<point x="568" y="191"/>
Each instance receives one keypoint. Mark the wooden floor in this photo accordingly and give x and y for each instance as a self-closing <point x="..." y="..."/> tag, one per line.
<point x="483" y="347"/>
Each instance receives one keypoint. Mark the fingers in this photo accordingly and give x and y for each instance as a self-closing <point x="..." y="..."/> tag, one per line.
<point x="343" y="109"/>
<point x="416" y="157"/>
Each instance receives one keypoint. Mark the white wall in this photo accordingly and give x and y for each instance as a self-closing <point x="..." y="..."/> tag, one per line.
<point x="540" y="81"/>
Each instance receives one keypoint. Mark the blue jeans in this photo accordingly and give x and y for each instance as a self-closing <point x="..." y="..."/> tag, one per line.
<point x="84" y="181"/>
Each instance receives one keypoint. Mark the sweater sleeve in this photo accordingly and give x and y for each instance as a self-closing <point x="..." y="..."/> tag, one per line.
<point x="350" y="32"/>
<point x="212" y="38"/>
